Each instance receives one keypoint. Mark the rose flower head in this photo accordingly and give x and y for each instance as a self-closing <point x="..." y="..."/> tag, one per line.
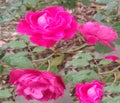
<point x="90" y="92"/>
<point x="94" y="32"/>
<point x="36" y="84"/>
<point x="48" y="26"/>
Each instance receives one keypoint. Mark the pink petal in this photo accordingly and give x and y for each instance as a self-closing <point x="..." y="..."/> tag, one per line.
<point x="42" y="42"/>
<point x="15" y="75"/>
<point x="92" y="40"/>
<point x="53" y="10"/>
<point x="111" y="57"/>
<point x="24" y="28"/>
<point x="70" y="32"/>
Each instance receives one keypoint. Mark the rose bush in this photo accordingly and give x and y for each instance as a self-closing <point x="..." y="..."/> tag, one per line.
<point x="38" y="85"/>
<point x="48" y="26"/>
<point x="94" y="32"/>
<point x="89" y="92"/>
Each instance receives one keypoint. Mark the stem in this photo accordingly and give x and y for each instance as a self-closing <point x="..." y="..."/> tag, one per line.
<point x="43" y="58"/>
<point x="98" y="68"/>
<point x="115" y="76"/>
<point x="82" y="46"/>
<point x="49" y="64"/>
<point x="32" y="56"/>
<point x="111" y="70"/>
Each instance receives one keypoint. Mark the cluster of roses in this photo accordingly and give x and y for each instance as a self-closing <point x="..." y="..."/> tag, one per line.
<point x="45" y="28"/>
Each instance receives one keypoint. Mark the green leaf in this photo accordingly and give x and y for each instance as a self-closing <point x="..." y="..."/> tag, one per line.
<point x="105" y="62"/>
<point x="83" y="55"/>
<point x="116" y="99"/>
<point x="103" y="1"/>
<point x="57" y="60"/>
<point x="86" y="2"/>
<point x="17" y="44"/>
<point x="54" y="69"/>
<point x="116" y="26"/>
<point x="7" y="58"/>
<point x="39" y="49"/>
<point x="76" y="77"/>
<point x="18" y="60"/>
<point x="81" y="59"/>
<point x="5" y="94"/>
<point x="111" y="5"/>
<point x="118" y="41"/>
<point x="112" y="89"/>
<point x="42" y="66"/>
<point x="8" y="102"/>
<point x="99" y="17"/>
<point x="21" y="62"/>
<point x="30" y="3"/>
<point x="79" y="62"/>
<point x="25" y="39"/>
<point x="102" y="48"/>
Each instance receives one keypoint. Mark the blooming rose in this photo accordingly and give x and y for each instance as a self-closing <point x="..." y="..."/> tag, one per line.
<point x="48" y="26"/>
<point x="94" y="32"/>
<point x="89" y="92"/>
<point x="35" y="84"/>
<point x="111" y="57"/>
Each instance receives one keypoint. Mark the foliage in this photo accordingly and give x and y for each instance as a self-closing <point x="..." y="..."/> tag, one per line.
<point x="102" y="48"/>
<point x="80" y="60"/>
<point x="112" y="89"/>
<point x="19" y="60"/>
<point x="111" y="100"/>
<point x="5" y="94"/>
<point x="84" y="75"/>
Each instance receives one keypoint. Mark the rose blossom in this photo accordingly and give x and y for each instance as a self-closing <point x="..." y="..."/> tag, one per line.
<point x="48" y="26"/>
<point x="94" y="32"/>
<point x="36" y="84"/>
<point x="111" y="57"/>
<point x="90" y="92"/>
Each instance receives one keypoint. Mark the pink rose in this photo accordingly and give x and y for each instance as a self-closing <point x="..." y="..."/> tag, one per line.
<point x="94" y="32"/>
<point x="48" y="26"/>
<point x="38" y="85"/>
<point x="89" y="92"/>
<point x="111" y="57"/>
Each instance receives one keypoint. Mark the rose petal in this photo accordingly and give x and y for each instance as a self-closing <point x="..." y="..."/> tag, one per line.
<point x="42" y="42"/>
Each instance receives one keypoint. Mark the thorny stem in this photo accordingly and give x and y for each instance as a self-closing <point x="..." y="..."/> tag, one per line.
<point x="82" y="46"/>
<point x="111" y="70"/>
<point x="43" y="58"/>
<point x="115" y="76"/>
<point x="32" y="56"/>
<point x="99" y="69"/>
